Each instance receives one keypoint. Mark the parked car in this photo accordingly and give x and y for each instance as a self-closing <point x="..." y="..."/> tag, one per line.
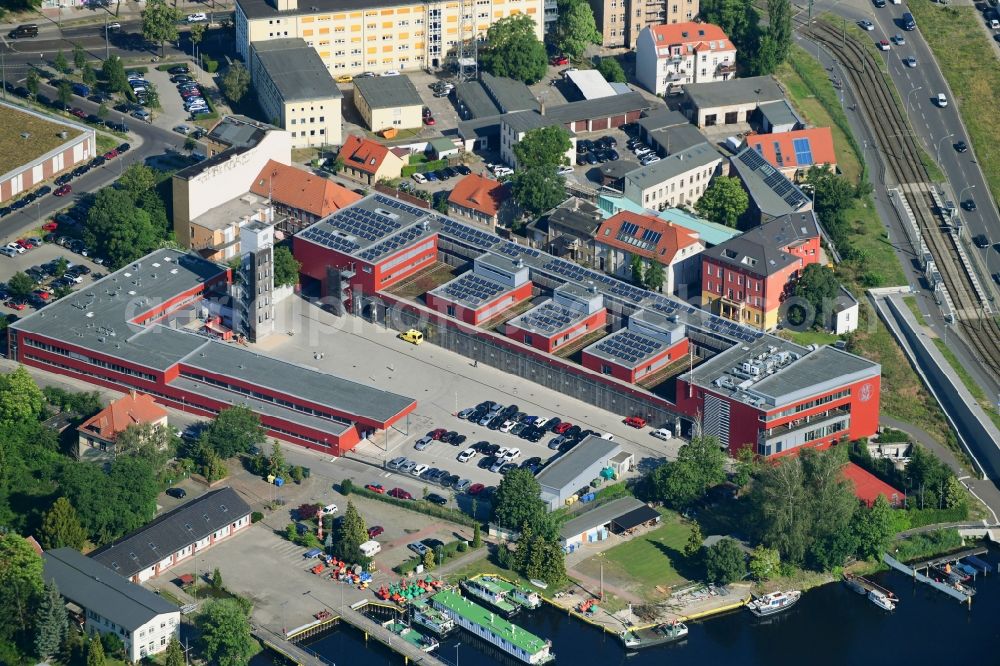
<point x="177" y="493"/>
<point x="437" y="433"/>
<point x="375" y="530"/>
<point x="418" y="548"/>
<point x="399" y="493"/>
<point x="662" y="433"/>
<point x="466" y="455"/>
<point x="436" y="499"/>
<point x="375" y="488"/>
<point x="423" y="443"/>
<point x="418" y="470"/>
<point x="635" y="422"/>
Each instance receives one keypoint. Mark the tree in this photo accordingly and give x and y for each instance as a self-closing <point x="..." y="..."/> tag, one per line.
<point x="20" y="285"/>
<point x="286" y="267"/>
<point x="737" y="18"/>
<point x="725" y="562"/>
<point x="79" y="56"/>
<point x="477" y="537"/>
<point x="276" y="464"/>
<point x="538" y="189"/>
<point x="21" y="584"/>
<point x="88" y="75"/>
<point x="765" y="59"/>
<point x="654" y="277"/>
<point x="113" y="502"/>
<point x="764" y="563"/>
<point x="95" y="651"/>
<point x="611" y="70"/>
<point x="236" y="82"/>
<point x="114" y="647"/>
<point x="636" y="267"/>
<point x="225" y="633"/>
<point x="175" y="654"/>
<point x="61" y="527"/>
<point x="234" y="430"/>
<point x="724" y="201"/>
<point x="429" y="560"/>
<point x="954" y="493"/>
<point x="196" y="34"/>
<point x="159" y="22"/>
<point x="31" y="82"/>
<point x="779" y="26"/>
<point x="152" y="96"/>
<point x="832" y="193"/>
<point x="518" y="504"/>
<point x="59" y="268"/>
<point x="60" y="63"/>
<point x="117" y="229"/>
<point x="217" y="580"/>
<point x="817" y="286"/>
<point x="700" y="465"/>
<point x="152" y="443"/>
<point x="51" y="622"/>
<point x="783" y="520"/>
<point x="114" y="74"/>
<point x="575" y="27"/>
<point x="874" y="528"/>
<point x="513" y="50"/>
<point x="20" y="397"/>
<point x="746" y="466"/>
<point x="692" y="548"/>
<point x="64" y="93"/>
<point x="544" y="146"/>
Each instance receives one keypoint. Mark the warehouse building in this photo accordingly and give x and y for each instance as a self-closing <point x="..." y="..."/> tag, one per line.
<point x="574" y="470"/>
<point x="597" y="524"/>
<point x="729" y="102"/>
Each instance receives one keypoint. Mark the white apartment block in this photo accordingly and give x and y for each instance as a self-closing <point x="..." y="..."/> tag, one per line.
<point x="669" y="56"/>
<point x="676" y="180"/>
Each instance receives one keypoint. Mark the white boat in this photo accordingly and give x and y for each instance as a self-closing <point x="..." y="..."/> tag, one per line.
<point x="881" y="600"/>
<point x="775" y="602"/>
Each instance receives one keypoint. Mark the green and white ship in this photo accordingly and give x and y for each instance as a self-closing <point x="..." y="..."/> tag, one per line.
<point x="515" y="593"/>
<point x="428" y="617"/>
<point x="485" y="589"/>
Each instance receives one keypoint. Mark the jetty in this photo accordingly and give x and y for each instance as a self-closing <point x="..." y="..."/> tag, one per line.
<point x="960" y="592"/>
<point x="948" y="559"/>
<point x="862" y="585"/>
<point x="372" y="629"/>
<point x="289" y="650"/>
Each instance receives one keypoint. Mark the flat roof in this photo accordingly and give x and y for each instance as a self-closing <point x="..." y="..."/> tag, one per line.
<point x="387" y="92"/>
<point x="508" y="94"/>
<point x="95" y="587"/>
<point x="296" y="70"/>
<point x="754" y="89"/>
<point x="662" y="118"/>
<point x="598" y="516"/>
<point x="476" y="100"/>
<point x="674" y="165"/>
<point x="456" y="603"/>
<point x="780" y="112"/>
<point x="17" y="150"/>
<point x="471" y="290"/>
<point x="627" y="348"/>
<point x="549" y="318"/>
<point x="677" y="138"/>
<point x="256" y="9"/>
<point x="230" y="212"/>
<point x="568" y="467"/>
<point x="769" y="189"/>
<point x="591" y="83"/>
<point x="771" y="372"/>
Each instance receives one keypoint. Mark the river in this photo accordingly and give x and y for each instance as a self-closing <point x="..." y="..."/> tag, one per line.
<point x="829" y="626"/>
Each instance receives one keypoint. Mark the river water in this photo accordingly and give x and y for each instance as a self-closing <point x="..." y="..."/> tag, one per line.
<point x="830" y="625"/>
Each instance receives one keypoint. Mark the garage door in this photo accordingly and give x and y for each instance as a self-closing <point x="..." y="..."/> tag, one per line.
<point x="580" y="126"/>
<point x="599" y="124"/>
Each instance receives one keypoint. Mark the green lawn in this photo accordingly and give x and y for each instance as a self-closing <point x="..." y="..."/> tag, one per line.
<point x="911" y="302"/>
<point x="963" y="51"/>
<point x="807" y="338"/>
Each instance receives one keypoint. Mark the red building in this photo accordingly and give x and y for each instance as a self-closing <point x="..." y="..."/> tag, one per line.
<point x="649" y="343"/>
<point x="867" y="486"/>
<point x="779" y="397"/>
<point x="570" y="314"/>
<point x="748" y="277"/>
<point x="132" y="331"/>
<point x="495" y="284"/>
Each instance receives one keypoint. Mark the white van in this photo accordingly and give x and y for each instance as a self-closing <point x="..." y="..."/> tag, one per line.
<point x="662" y="433"/>
<point x="370" y="548"/>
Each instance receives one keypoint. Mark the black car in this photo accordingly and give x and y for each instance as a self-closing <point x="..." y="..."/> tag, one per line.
<point x="486" y="462"/>
<point x="43" y="190"/>
<point x="613" y="155"/>
<point x="981" y="241"/>
<point x="63" y="179"/>
<point x="179" y="493"/>
<point x="536" y="435"/>
<point x="428" y="473"/>
<point x="458" y="440"/>
<point x="969" y="205"/>
<point x="961" y="147"/>
<point x="446" y="438"/>
<point x="179" y="69"/>
<point x="508" y="468"/>
<point x="98" y="161"/>
<point x="124" y="148"/>
<point x="452" y="172"/>
<point x="6" y="210"/>
<point x="573" y="431"/>
<point x="609" y="141"/>
<point x="44" y="100"/>
<point x="602" y="156"/>
<point x="590" y="158"/>
<point x="118" y="127"/>
<point x="581" y="160"/>
<point x="584" y="146"/>
<point x="442" y="174"/>
<point x="462" y="169"/>
<point x="180" y="78"/>
<point x="94" y="119"/>
<point x="518" y="429"/>
<point x="478" y="415"/>
<point x="21" y="91"/>
<point x="496" y="422"/>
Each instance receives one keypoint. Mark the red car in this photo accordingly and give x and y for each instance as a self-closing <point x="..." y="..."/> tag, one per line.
<point x="61" y="192"/>
<point x="559" y="61"/>
<point x="399" y="493"/>
<point x="375" y="531"/>
<point x="437" y="434"/>
<point x="15" y="305"/>
<point x="562" y="427"/>
<point x="475" y="489"/>
<point x="78" y="112"/>
<point x="44" y="295"/>
<point x="376" y="488"/>
<point x="50" y="226"/>
<point x="26" y="244"/>
<point x="429" y="120"/>
<point x="111" y="154"/>
<point x="635" y="422"/>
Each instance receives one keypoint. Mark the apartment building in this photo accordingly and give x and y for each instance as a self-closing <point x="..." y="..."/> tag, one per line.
<point x="672" y="55"/>
<point x="676" y="180"/>
<point x="352" y="36"/>
<point x="621" y="21"/>
<point x="296" y="92"/>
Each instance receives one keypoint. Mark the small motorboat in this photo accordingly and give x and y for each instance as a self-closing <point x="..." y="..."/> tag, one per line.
<point x="881" y="600"/>
<point x="775" y="602"/>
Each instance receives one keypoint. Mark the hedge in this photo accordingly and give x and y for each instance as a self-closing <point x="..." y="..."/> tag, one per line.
<point x="167" y="65"/>
<point x="448" y="551"/>
<point x="922" y="517"/>
<point x="420" y="506"/>
<point x="411" y="169"/>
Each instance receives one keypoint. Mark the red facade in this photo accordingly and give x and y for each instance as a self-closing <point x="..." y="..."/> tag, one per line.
<point x="484" y="312"/>
<point x="550" y="343"/>
<point x="633" y="375"/>
<point x="26" y="172"/>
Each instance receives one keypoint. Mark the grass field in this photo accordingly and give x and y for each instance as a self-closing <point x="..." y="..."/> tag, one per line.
<point x="963" y="51"/>
<point x="42" y="136"/>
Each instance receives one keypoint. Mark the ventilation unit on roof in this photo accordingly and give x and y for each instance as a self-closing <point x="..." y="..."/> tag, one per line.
<point x="390" y="215"/>
<point x="173" y="271"/>
<point x="131" y="292"/>
<point x="126" y="274"/>
<point x="155" y="265"/>
<point x="166" y="259"/>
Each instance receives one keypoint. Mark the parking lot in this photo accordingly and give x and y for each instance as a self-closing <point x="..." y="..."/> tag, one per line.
<point x="36" y="257"/>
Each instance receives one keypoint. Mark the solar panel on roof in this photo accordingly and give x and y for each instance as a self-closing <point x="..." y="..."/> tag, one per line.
<point x="803" y="151"/>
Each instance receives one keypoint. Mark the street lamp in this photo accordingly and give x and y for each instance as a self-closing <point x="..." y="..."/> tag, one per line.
<point x="910" y="93"/>
<point x="941" y="143"/>
<point x="457" y="645"/>
<point x="962" y="191"/>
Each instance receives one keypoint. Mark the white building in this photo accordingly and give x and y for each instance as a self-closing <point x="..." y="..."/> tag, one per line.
<point x="514" y="126"/>
<point x="676" y="180"/>
<point x="575" y="469"/>
<point x="681" y="53"/>
<point x="145" y="622"/>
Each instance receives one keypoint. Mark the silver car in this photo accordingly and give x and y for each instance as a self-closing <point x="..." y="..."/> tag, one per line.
<point x="462" y="485"/>
<point x="396" y="463"/>
<point x="407" y="466"/>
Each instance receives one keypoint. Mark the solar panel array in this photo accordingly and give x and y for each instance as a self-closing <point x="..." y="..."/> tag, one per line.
<point x="363" y="223"/>
<point x="629" y="346"/>
<point x="400" y="206"/>
<point x="548" y="318"/>
<point x="803" y="151"/>
<point x="514" y="250"/>
<point x="577" y="272"/>
<point x="392" y="243"/>
<point x="321" y="236"/>
<point x="773" y="178"/>
<point x="472" y="289"/>
<point x="473" y="237"/>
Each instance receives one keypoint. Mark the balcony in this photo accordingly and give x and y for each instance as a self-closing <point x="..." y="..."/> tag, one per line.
<point x="725" y="69"/>
<point x="809" y="422"/>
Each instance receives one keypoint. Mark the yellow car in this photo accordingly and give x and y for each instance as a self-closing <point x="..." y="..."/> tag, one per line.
<point x="412" y="336"/>
<point x="344" y="78"/>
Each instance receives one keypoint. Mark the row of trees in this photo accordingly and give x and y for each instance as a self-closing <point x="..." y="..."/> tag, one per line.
<point x="765" y="47"/>
<point x="518" y="506"/>
<point x="647" y="274"/>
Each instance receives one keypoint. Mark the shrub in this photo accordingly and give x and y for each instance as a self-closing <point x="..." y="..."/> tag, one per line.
<point x="256" y="517"/>
<point x="462" y="546"/>
<point x="167" y="65"/>
<point x="211" y="65"/>
<point x="346" y="487"/>
<point x="408" y="566"/>
<point x="927" y="545"/>
<point x="411" y="169"/>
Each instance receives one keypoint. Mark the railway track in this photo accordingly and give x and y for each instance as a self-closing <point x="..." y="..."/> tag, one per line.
<point x="902" y="157"/>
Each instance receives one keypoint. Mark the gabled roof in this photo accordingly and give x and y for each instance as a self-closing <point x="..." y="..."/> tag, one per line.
<point x="296" y="70"/>
<point x="363" y="154"/>
<point x="172" y="531"/>
<point x="692" y="37"/>
<point x="567" y="468"/>
<point x="798" y="149"/>
<point x="132" y="409"/>
<point x="299" y="189"/>
<point x="676" y="164"/>
<point x="762" y="250"/>
<point x="93" y="586"/>
<point x="479" y="193"/>
<point x="771" y="192"/>
<point x="645" y="235"/>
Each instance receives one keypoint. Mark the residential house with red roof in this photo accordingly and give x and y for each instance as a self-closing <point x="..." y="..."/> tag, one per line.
<point x="867" y="487"/>
<point x="627" y="235"/>
<point x="97" y="434"/>
<point x="678" y="54"/>
<point x="793" y="153"/>
<point x="369" y="161"/>
<point x="298" y="193"/>
<point x="479" y="199"/>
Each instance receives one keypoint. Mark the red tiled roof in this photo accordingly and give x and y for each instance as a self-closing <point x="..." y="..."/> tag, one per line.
<point x="695" y="37"/>
<point x="297" y="188"/>
<point x="479" y="193"/>
<point x="363" y="154"/>
<point x="867" y="486"/>
<point x="672" y="237"/>
<point x="132" y="409"/>
<point x="820" y="145"/>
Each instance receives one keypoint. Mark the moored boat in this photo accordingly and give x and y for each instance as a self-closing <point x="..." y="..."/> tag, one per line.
<point x="854" y="584"/>
<point x="638" y="638"/>
<point x="881" y="600"/>
<point x="775" y="602"/>
<point x="430" y="618"/>
<point x="494" y="595"/>
<point x="412" y="636"/>
<point x="515" y="593"/>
